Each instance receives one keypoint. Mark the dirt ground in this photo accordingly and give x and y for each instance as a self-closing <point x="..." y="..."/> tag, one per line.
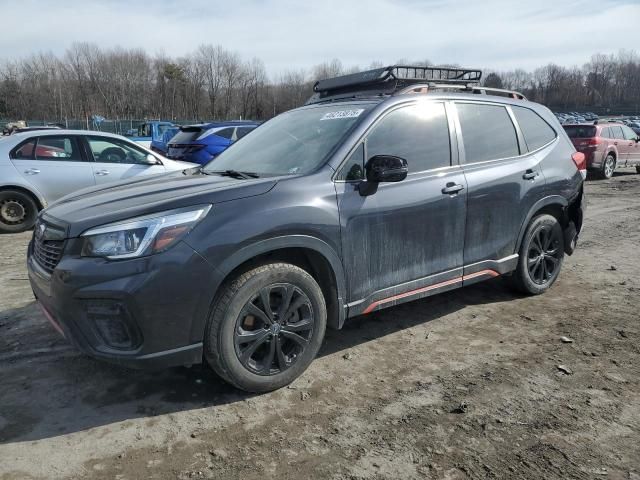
<point x="474" y="383"/>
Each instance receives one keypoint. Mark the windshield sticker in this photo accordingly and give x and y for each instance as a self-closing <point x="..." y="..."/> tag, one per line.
<point x="342" y="114"/>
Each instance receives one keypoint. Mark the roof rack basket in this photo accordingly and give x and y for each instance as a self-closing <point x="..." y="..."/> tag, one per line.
<point x="387" y="80"/>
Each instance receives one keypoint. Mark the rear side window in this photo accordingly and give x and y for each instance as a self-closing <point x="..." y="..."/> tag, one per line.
<point x="487" y="131"/>
<point x="24" y="151"/>
<point x="537" y="133"/>
<point x="617" y="132"/>
<point x="58" y="148"/>
<point x="579" y="131"/>
<point x="606" y="133"/>
<point x="242" y="131"/>
<point x="225" y="133"/>
<point x="418" y="133"/>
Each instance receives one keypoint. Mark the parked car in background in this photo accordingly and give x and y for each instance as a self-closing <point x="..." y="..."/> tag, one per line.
<point x="150" y="134"/>
<point x="203" y="142"/>
<point x="38" y="167"/>
<point x="606" y="146"/>
<point x="377" y="192"/>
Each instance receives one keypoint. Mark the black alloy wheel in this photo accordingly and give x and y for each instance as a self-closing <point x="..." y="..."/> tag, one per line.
<point x="273" y="329"/>
<point x="544" y="255"/>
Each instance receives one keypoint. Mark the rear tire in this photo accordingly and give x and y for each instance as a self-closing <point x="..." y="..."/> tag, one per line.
<point x="18" y="211"/>
<point x="540" y="256"/>
<point x="608" y="167"/>
<point x="260" y="348"/>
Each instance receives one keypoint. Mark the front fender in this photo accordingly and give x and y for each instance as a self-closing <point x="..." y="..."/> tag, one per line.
<point x="292" y="241"/>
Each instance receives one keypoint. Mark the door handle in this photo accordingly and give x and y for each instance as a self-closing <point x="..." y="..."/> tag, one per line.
<point x="452" y="188"/>
<point x="530" y="175"/>
<point x="32" y="171"/>
<point x="102" y="173"/>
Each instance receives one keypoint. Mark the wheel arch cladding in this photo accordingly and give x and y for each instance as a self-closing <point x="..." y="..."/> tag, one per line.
<point x="310" y="254"/>
<point x="553" y="205"/>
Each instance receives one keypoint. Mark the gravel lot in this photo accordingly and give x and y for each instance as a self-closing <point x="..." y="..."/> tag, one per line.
<point x="474" y="383"/>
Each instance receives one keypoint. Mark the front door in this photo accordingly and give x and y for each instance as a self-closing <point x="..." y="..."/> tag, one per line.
<point x="115" y="159"/>
<point x="53" y="164"/>
<point x="633" y="146"/>
<point x="402" y="240"/>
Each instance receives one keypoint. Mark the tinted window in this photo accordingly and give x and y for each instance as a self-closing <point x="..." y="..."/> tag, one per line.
<point x="24" y="151"/>
<point x="537" y="133"/>
<point x="487" y="132"/>
<point x="112" y="150"/>
<point x="418" y="133"/>
<point x="242" y="131"/>
<point x="353" y="168"/>
<point x="629" y="134"/>
<point x="58" y="148"/>
<point x="225" y="133"/>
<point x="575" y="131"/>
<point x="617" y="132"/>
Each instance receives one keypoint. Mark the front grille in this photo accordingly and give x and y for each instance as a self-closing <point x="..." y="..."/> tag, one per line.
<point x="48" y="245"/>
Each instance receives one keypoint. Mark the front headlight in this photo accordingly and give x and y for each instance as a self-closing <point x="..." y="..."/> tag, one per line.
<point x="141" y="235"/>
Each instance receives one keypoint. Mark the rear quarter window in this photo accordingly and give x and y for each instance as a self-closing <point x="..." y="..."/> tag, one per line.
<point x="537" y="133"/>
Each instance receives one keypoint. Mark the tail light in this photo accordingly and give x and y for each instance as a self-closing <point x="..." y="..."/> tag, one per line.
<point x="581" y="163"/>
<point x="594" y="141"/>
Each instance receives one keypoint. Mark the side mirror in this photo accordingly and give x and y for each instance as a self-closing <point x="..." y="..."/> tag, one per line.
<point x="386" y="168"/>
<point x="151" y="160"/>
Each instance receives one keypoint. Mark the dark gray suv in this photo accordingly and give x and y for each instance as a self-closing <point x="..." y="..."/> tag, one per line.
<point x="388" y="186"/>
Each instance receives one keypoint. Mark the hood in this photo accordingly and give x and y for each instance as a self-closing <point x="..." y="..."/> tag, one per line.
<point x="96" y="206"/>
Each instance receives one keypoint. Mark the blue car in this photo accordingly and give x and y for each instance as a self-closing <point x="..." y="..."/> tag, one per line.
<point x="203" y="142"/>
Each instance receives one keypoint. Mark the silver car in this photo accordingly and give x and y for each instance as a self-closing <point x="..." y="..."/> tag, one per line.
<point x="39" y="167"/>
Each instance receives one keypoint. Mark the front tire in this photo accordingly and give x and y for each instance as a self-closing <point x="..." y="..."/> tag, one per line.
<point x="18" y="211"/>
<point x="540" y="256"/>
<point x="266" y="327"/>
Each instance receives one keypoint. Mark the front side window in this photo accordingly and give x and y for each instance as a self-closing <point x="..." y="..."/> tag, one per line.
<point x="225" y="133"/>
<point x="487" y="131"/>
<point x="113" y="150"/>
<point x="418" y="133"/>
<point x="537" y="133"/>
<point x="242" y="131"/>
<point x="295" y="142"/>
<point x="629" y="134"/>
<point x="353" y="168"/>
<point x="58" y="148"/>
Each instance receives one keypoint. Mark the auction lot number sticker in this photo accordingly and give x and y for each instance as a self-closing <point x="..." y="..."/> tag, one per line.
<point x="342" y="114"/>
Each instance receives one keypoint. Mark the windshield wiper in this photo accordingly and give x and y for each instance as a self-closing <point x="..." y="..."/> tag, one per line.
<point x="232" y="173"/>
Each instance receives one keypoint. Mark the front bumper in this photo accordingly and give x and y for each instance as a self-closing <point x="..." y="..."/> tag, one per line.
<point x="147" y="312"/>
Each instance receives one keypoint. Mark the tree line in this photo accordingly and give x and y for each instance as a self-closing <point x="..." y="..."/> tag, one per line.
<point x="214" y="83"/>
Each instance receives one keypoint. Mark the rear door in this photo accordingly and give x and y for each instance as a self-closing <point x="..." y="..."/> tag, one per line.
<point x="504" y="180"/>
<point x="54" y="164"/>
<point x="116" y="159"/>
<point x="406" y="237"/>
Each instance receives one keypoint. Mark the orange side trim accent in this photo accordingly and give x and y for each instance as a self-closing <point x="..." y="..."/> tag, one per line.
<point x="370" y="308"/>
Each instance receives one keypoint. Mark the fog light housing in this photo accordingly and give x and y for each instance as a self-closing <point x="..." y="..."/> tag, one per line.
<point x="113" y="324"/>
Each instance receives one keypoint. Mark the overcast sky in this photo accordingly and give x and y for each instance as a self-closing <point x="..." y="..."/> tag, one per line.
<point x="287" y="34"/>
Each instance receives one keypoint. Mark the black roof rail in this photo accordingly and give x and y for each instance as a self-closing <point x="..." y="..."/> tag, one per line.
<point x="388" y="80"/>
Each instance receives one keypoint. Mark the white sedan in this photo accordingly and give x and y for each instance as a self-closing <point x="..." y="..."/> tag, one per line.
<point x="41" y="166"/>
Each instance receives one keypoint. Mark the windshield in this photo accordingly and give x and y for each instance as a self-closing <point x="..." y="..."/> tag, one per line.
<point x="295" y="142"/>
